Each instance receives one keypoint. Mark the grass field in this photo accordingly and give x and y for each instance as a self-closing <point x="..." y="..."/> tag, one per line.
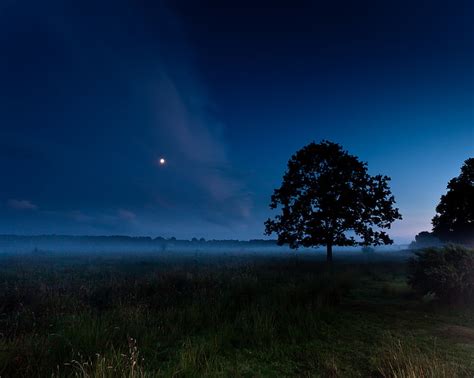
<point x="223" y="315"/>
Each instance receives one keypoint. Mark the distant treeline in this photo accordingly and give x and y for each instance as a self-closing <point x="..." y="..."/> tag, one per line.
<point x="16" y="243"/>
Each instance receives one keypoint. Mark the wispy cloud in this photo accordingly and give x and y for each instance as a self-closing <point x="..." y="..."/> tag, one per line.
<point x="79" y="216"/>
<point x="126" y="215"/>
<point x="21" y="204"/>
<point x="193" y="138"/>
<point x="147" y="85"/>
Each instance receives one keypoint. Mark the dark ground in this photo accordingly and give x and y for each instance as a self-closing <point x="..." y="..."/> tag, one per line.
<point x="198" y="314"/>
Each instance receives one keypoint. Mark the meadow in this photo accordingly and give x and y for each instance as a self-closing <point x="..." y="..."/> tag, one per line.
<point x="224" y="314"/>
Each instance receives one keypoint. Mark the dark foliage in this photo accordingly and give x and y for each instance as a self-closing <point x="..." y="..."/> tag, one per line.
<point x="425" y="239"/>
<point x="454" y="221"/>
<point x="328" y="198"/>
<point x="446" y="272"/>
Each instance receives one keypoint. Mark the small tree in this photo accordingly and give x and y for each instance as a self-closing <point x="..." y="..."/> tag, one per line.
<point x="328" y="198"/>
<point x="454" y="221"/>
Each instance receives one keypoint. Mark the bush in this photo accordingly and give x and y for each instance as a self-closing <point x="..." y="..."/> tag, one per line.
<point x="447" y="272"/>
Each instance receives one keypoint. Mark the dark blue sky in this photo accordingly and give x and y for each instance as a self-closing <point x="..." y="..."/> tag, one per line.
<point x="94" y="92"/>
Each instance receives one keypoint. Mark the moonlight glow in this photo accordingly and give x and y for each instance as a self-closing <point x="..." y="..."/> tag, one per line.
<point x="162" y="161"/>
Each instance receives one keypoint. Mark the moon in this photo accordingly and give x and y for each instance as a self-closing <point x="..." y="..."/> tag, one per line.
<point x="162" y="161"/>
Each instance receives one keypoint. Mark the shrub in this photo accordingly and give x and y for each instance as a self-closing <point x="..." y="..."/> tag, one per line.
<point x="447" y="272"/>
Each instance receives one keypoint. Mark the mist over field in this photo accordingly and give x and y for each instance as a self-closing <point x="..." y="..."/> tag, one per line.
<point x="66" y="244"/>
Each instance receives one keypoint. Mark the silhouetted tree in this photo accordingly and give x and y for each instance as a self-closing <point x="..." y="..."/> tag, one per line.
<point x="454" y="221"/>
<point x="328" y="198"/>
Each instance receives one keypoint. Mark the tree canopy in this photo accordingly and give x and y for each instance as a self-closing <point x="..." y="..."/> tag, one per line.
<point x="454" y="221"/>
<point x="328" y="198"/>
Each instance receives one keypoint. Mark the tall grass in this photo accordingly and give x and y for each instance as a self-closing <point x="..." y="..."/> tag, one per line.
<point x="113" y="364"/>
<point x="406" y="359"/>
<point x="149" y="316"/>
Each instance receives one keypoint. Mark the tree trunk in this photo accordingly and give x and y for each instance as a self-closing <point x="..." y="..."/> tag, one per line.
<point x="329" y="253"/>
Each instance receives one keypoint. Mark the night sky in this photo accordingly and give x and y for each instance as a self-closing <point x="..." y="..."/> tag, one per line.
<point x="93" y="93"/>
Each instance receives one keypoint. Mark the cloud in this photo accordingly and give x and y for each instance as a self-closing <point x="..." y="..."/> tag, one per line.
<point x="197" y="150"/>
<point x="79" y="216"/>
<point x="178" y="121"/>
<point x="126" y="215"/>
<point x="147" y="86"/>
<point x="21" y="204"/>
